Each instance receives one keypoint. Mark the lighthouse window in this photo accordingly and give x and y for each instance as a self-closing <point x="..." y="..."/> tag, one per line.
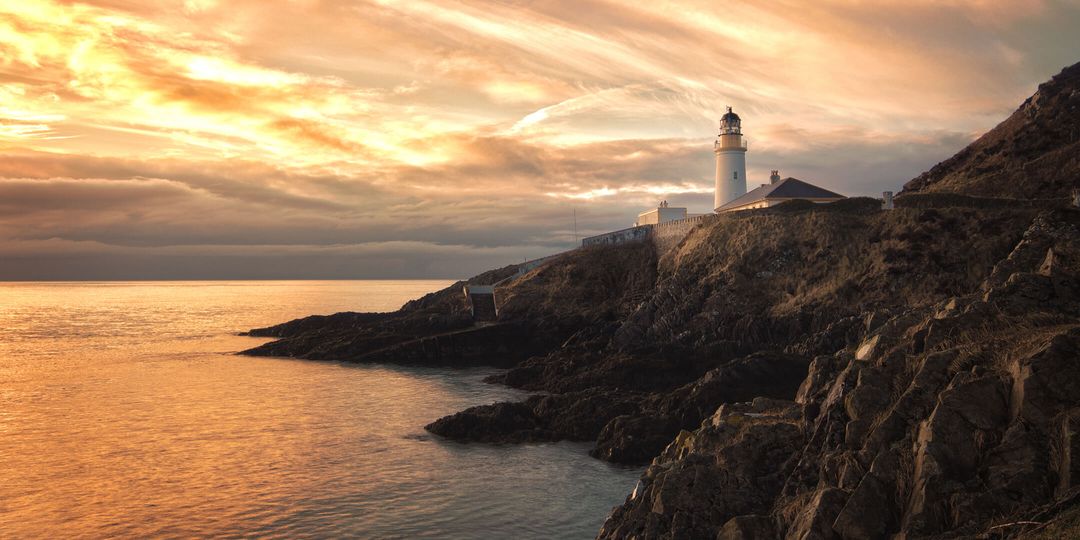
<point x="736" y="175"/>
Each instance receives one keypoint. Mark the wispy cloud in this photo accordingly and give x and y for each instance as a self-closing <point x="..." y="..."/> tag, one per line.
<point x="142" y="129"/>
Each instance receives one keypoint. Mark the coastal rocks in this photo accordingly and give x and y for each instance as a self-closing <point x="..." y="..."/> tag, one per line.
<point x="1045" y="383"/>
<point x="584" y="287"/>
<point x="495" y="423"/>
<point x="1065" y="451"/>
<point x="731" y="467"/>
<point x="577" y="293"/>
<point x="941" y="399"/>
<point x="338" y="321"/>
<point x="633" y="400"/>
<point x="766" y="374"/>
<point x="871" y="510"/>
<point x="833" y="276"/>
<point x="634" y="439"/>
<point x="813" y="518"/>
<point x="500" y="345"/>
<point x="749" y="527"/>
<point x="573" y="416"/>
<point x="581" y="368"/>
<point x="633" y="416"/>
<point x="944" y="420"/>
<point x="580" y="416"/>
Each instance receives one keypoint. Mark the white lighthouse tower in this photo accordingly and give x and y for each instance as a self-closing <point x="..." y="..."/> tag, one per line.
<point x="730" y="150"/>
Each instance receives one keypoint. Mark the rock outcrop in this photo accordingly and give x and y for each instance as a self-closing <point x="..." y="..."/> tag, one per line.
<point x="537" y="314"/>
<point x="946" y="420"/>
<point x="576" y="416"/>
<point x="804" y="371"/>
<point x="740" y="308"/>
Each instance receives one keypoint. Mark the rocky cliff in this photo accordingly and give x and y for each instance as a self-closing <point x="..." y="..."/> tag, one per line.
<point x="804" y="371"/>
<point x="947" y="418"/>
<point x="943" y="397"/>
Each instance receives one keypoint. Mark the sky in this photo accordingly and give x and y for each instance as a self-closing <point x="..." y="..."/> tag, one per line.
<point x="330" y="139"/>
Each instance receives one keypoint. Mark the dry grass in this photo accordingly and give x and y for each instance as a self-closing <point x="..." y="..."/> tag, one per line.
<point x="1000" y="338"/>
<point x="593" y="283"/>
<point x="858" y="260"/>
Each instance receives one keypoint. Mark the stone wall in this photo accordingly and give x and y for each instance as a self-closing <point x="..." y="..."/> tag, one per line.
<point x="665" y="235"/>
<point x="622" y="236"/>
<point x="528" y="266"/>
<point x="668" y="235"/>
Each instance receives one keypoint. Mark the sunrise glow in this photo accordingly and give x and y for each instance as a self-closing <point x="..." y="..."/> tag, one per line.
<point x="308" y="123"/>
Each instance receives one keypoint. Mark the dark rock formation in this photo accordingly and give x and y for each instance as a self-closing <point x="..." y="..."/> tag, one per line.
<point x="942" y="399"/>
<point x="500" y="345"/>
<point x="537" y="314"/>
<point x="947" y="419"/>
<point x="576" y="416"/>
<point x="805" y="371"/>
<point x="636" y="439"/>
<point x="495" y="423"/>
<point x="734" y="465"/>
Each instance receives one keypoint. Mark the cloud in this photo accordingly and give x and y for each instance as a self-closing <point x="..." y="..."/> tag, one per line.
<point x="372" y="137"/>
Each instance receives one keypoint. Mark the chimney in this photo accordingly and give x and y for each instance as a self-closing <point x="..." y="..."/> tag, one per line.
<point x="886" y="200"/>
<point x="774" y="177"/>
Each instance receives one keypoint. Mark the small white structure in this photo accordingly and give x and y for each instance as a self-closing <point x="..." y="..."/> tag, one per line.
<point x="661" y="214"/>
<point x="730" y="150"/>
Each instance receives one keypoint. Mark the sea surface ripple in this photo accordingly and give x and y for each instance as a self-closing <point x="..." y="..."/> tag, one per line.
<point x="124" y="413"/>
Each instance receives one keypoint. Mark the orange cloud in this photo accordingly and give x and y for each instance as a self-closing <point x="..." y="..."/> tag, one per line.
<point x="440" y="122"/>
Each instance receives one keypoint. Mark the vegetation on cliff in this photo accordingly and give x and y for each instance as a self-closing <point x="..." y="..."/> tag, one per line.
<point x="804" y="371"/>
<point x="1034" y="154"/>
<point x="945" y="418"/>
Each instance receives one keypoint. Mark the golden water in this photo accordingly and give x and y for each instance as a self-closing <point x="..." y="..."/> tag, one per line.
<point x="123" y="413"/>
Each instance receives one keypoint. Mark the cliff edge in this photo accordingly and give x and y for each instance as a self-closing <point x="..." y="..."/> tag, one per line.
<point x="803" y="371"/>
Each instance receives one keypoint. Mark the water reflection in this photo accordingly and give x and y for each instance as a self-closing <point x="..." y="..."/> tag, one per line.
<point x="121" y="416"/>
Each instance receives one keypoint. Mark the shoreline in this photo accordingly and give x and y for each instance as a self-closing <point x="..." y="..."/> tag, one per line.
<point x="850" y="369"/>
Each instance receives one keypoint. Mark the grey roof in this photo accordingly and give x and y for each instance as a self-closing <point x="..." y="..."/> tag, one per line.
<point x="788" y="188"/>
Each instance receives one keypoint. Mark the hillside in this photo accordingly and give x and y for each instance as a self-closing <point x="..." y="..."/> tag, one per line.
<point x="1035" y="153"/>
<point x="803" y="371"/>
<point x="948" y="416"/>
<point x="947" y="408"/>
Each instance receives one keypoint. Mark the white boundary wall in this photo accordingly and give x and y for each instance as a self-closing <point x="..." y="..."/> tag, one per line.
<point x="666" y="235"/>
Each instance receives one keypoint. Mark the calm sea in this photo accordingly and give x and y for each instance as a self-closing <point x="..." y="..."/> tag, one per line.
<point x="124" y="413"/>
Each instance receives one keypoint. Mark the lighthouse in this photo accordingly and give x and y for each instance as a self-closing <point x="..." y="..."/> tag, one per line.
<point x="730" y="150"/>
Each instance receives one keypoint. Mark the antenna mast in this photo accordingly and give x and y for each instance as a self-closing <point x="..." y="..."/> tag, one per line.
<point x="575" y="227"/>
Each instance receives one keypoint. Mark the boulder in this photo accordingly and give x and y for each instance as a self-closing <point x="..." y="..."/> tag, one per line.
<point x="753" y="527"/>
<point x="634" y="439"/>
<point x="496" y="423"/>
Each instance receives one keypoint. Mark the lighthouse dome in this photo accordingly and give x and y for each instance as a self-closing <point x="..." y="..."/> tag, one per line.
<point x="730" y="123"/>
